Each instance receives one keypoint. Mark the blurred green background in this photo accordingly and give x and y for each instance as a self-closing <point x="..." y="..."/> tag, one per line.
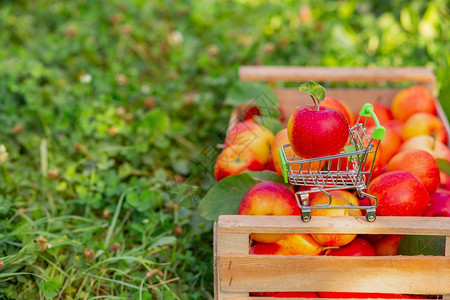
<point x="106" y="106"/>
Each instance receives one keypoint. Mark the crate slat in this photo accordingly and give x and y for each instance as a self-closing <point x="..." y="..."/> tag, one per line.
<point x="336" y="74"/>
<point x="399" y="274"/>
<point x="322" y="224"/>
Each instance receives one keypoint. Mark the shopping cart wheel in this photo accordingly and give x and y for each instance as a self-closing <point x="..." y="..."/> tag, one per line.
<point x="306" y="216"/>
<point x="370" y="216"/>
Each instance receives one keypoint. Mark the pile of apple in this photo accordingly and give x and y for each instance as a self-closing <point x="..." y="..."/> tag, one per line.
<point x="405" y="177"/>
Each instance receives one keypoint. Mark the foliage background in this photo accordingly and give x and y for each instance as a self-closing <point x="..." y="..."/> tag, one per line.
<point x="106" y="107"/>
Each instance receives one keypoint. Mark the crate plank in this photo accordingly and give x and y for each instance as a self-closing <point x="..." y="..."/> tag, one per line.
<point x="335" y="74"/>
<point x="227" y="243"/>
<point x="321" y="224"/>
<point x="400" y="274"/>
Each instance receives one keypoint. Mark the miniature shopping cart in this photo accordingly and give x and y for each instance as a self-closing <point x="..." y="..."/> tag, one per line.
<point x="350" y="169"/>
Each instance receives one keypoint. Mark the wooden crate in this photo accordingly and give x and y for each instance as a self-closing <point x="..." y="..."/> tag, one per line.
<point x="237" y="272"/>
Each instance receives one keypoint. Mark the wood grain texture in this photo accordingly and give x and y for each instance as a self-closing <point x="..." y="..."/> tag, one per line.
<point x="401" y="274"/>
<point x="336" y="74"/>
<point x="319" y="224"/>
<point x="229" y="243"/>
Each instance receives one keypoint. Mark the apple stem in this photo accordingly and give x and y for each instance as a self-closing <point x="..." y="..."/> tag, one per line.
<point x="315" y="101"/>
<point x="433" y="135"/>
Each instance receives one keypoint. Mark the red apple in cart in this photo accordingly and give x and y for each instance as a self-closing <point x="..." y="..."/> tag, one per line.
<point x="316" y="131"/>
<point x="439" y="204"/>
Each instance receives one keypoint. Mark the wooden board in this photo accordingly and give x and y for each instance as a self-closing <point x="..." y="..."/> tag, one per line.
<point x="321" y="224"/>
<point x="336" y="74"/>
<point x="399" y="274"/>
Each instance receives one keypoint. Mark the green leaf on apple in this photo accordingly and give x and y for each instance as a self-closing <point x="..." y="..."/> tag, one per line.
<point x="314" y="89"/>
<point x="444" y="165"/>
<point x="225" y="196"/>
<point x="422" y="245"/>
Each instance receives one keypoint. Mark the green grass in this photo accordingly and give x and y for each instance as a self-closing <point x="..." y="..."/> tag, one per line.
<point x="106" y="108"/>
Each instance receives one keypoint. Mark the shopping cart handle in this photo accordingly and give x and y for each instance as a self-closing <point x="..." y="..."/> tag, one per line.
<point x="283" y="164"/>
<point x="379" y="131"/>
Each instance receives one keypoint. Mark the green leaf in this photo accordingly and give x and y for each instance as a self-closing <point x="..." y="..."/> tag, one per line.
<point x="242" y="92"/>
<point x="164" y="241"/>
<point x="225" y="196"/>
<point x="274" y="125"/>
<point x="314" y="89"/>
<point x="265" y="176"/>
<point x="444" y="165"/>
<point x="157" y="121"/>
<point x="422" y="245"/>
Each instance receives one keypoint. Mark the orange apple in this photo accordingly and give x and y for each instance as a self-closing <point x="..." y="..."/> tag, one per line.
<point x="338" y="198"/>
<point x="280" y="139"/>
<point x="420" y="163"/>
<point x="252" y="136"/>
<point x="399" y="193"/>
<point x="300" y="244"/>
<point x="424" y="124"/>
<point x="412" y="100"/>
<point x="390" y="143"/>
<point x="383" y="114"/>
<point x="429" y="144"/>
<point x="388" y="245"/>
<point x="340" y="106"/>
<point x="236" y="160"/>
<point x="268" y="198"/>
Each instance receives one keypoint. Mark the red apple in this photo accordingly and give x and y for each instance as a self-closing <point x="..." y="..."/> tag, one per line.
<point x="285" y="294"/>
<point x="315" y="132"/>
<point x="388" y="245"/>
<point x="266" y="249"/>
<point x="420" y="163"/>
<point x="439" y="204"/>
<point x="236" y="160"/>
<point x="424" y="124"/>
<point x="338" y="105"/>
<point x="412" y="100"/>
<point x="268" y="198"/>
<point x="429" y="144"/>
<point x="399" y="193"/>
<point x="344" y="295"/>
<point x="251" y="136"/>
<point x="358" y="247"/>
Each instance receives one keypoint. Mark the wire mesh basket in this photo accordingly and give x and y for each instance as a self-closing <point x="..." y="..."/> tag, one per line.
<point x="350" y="169"/>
